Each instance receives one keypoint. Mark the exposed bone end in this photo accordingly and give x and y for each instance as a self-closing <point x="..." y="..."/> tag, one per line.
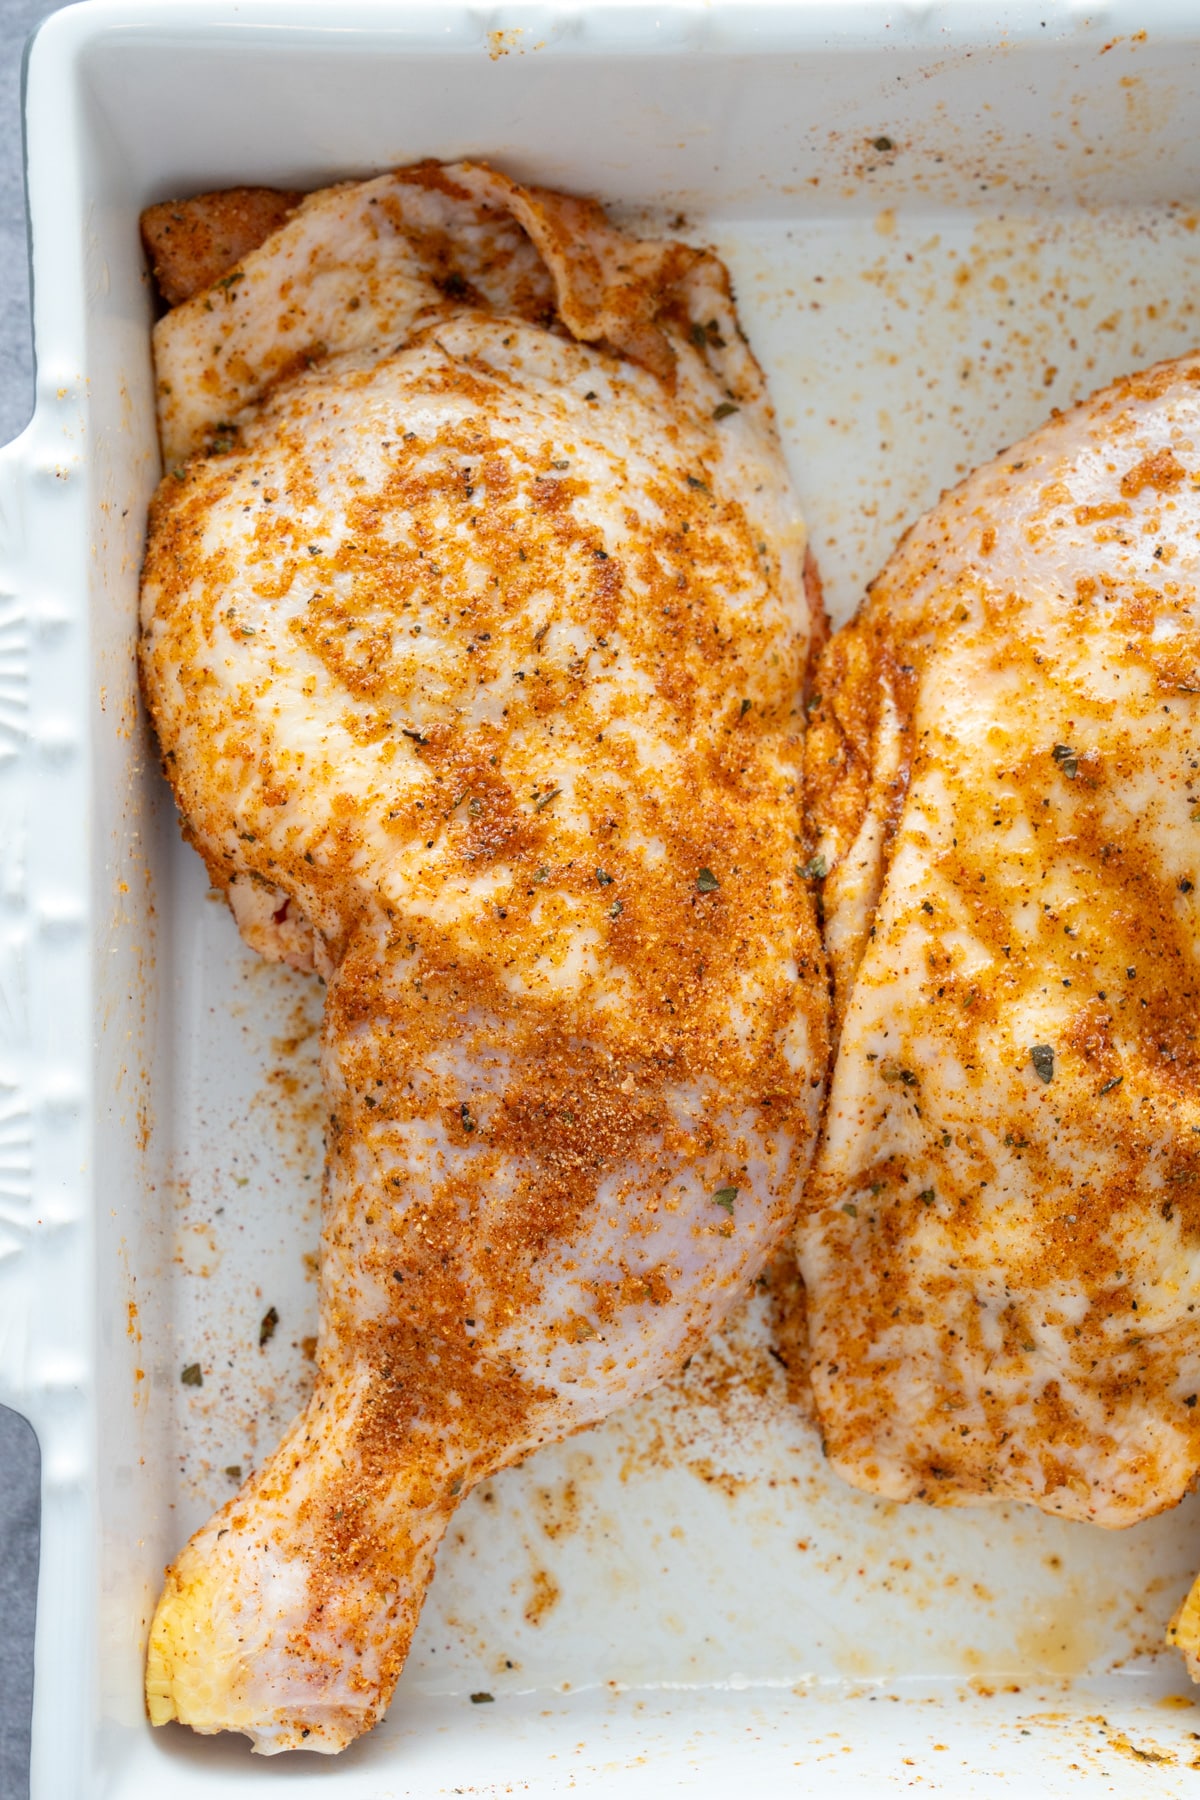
<point x="200" y="1670"/>
<point x="194" y="1665"/>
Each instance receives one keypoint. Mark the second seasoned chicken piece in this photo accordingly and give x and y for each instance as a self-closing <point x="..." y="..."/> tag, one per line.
<point x="474" y="624"/>
<point x="1003" y="1247"/>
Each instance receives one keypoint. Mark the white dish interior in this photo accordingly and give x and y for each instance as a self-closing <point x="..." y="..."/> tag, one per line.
<point x="937" y="232"/>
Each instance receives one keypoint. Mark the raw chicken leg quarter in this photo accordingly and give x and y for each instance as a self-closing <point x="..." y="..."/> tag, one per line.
<point x="473" y="629"/>
<point x="1003" y="1246"/>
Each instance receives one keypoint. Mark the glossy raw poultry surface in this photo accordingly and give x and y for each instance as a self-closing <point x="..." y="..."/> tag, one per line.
<point x="1003" y="1255"/>
<point x="474" y="626"/>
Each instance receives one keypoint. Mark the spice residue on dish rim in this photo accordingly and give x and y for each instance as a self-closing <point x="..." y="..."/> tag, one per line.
<point x="698" y="1536"/>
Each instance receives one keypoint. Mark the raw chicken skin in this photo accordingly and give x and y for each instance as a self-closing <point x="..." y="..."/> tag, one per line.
<point x="193" y="243"/>
<point x="473" y="650"/>
<point x="1003" y="1247"/>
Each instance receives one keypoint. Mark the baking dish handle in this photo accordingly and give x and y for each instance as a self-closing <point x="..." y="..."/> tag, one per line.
<point x="20" y="1271"/>
<point x="46" y="1306"/>
<point x="43" y="897"/>
<point x="45" y="1313"/>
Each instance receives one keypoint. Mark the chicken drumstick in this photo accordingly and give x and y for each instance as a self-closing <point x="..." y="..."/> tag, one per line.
<point x="473" y="628"/>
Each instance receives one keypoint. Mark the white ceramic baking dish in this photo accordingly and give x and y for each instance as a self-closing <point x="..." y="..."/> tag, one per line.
<point x="942" y="221"/>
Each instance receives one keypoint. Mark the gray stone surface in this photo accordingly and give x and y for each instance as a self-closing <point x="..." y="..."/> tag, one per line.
<point x="18" y="20"/>
<point x="18" y="1447"/>
<point x="18" y="1582"/>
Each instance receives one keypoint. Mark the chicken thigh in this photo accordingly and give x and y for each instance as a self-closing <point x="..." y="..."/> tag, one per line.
<point x="1002" y="1249"/>
<point x="473" y="627"/>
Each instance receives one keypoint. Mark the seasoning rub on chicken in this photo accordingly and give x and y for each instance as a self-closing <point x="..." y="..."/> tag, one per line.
<point x="473" y="629"/>
<point x="1003" y="1247"/>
